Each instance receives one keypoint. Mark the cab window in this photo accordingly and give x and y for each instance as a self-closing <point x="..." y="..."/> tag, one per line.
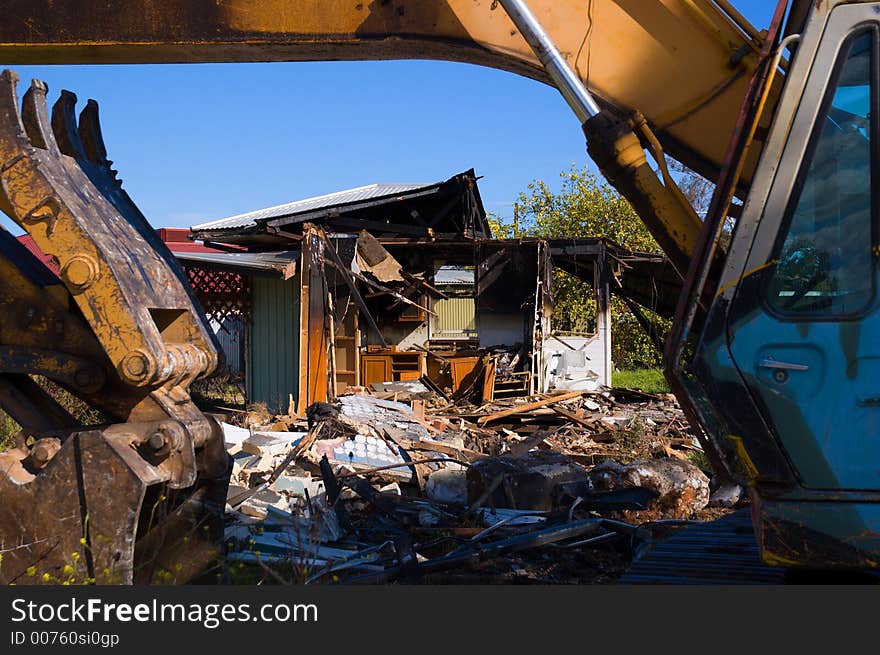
<point x="824" y="264"/>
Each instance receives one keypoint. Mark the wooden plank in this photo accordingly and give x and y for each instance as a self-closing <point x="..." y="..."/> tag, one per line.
<point x="436" y="447"/>
<point x="524" y="446"/>
<point x="572" y="417"/>
<point x="305" y="277"/>
<point x="529" y="406"/>
<point x="317" y="313"/>
<point x="489" y="382"/>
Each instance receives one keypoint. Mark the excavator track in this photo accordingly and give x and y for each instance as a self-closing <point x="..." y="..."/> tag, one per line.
<point x="724" y="552"/>
<point x="720" y="552"/>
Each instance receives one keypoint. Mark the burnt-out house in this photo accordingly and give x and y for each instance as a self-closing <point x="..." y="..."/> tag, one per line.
<point x="385" y="285"/>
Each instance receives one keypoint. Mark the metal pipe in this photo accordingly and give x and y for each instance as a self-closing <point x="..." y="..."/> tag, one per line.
<point x="741" y="21"/>
<point x="566" y="80"/>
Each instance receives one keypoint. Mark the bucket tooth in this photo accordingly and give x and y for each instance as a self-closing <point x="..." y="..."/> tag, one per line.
<point x="93" y="141"/>
<point x="35" y="116"/>
<point x="13" y="138"/>
<point x="64" y="126"/>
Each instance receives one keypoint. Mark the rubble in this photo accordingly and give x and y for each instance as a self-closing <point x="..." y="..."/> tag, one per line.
<point x="726" y="495"/>
<point x="268" y="445"/>
<point x="532" y="480"/>
<point x="378" y="489"/>
<point x="448" y="486"/>
<point x="682" y="488"/>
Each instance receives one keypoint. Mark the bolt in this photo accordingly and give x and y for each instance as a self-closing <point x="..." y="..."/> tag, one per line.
<point x="40" y="454"/>
<point x="80" y="271"/>
<point x="43" y="451"/>
<point x="82" y="377"/>
<point x="157" y="441"/>
<point x="137" y="367"/>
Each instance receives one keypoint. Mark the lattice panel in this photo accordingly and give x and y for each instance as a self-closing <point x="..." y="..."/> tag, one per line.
<point x="223" y="294"/>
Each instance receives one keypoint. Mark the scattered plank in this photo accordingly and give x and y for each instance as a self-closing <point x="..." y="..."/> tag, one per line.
<point x="519" y="409"/>
<point x="573" y="417"/>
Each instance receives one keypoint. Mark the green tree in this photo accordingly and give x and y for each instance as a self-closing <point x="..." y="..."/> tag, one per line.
<point x="585" y="205"/>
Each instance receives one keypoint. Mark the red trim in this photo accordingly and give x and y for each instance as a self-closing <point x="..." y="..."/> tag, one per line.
<point x="177" y="239"/>
<point x="49" y="262"/>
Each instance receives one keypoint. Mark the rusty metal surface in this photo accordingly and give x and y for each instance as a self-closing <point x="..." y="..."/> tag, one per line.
<point x="83" y="515"/>
<point x="140" y="500"/>
<point x="136" y="307"/>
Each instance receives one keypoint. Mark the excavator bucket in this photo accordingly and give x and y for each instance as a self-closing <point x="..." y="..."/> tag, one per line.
<point x="97" y="512"/>
<point x="140" y="497"/>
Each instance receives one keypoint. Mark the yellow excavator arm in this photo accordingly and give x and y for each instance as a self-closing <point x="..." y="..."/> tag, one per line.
<point x="631" y="54"/>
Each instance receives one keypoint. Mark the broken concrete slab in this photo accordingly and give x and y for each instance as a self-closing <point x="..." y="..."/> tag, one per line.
<point x="682" y="487"/>
<point x="233" y="435"/>
<point x="727" y="495"/>
<point x="258" y="504"/>
<point x="527" y="481"/>
<point x="448" y="486"/>
<point x="298" y="485"/>
<point x="271" y="444"/>
<point x="248" y="469"/>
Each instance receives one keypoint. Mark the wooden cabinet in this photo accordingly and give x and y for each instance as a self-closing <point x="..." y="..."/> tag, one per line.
<point x="461" y="368"/>
<point x="391" y="367"/>
<point x="375" y="368"/>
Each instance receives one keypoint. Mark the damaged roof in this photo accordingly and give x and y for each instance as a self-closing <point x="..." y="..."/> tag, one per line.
<point x="279" y="263"/>
<point x="451" y="207"/>
<point x="290" y="209"/>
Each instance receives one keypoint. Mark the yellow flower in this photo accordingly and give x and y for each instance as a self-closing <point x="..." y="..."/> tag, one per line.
<point x="31" y="571"/>
<point x="68" y="569"/>
<point x="82" y="540"/>
<point x="46" y="577"/>
<point x="75" y="556"/>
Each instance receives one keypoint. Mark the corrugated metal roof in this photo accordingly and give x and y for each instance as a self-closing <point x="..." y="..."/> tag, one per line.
<point x="358" y="194"/>
<point x="454" y="275"/>
<point x="283" y="263"/>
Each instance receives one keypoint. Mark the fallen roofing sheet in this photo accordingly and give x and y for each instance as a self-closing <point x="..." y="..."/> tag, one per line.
<point x="282" y="263"/>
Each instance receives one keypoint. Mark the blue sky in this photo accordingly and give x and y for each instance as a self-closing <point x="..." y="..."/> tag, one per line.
<point x="197" y="142"/>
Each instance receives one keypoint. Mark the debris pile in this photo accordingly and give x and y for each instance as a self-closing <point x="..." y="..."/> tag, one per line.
<point x="405" y="485"/>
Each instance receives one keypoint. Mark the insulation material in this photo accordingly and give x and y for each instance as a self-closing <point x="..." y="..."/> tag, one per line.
<point x="374" y="259"/>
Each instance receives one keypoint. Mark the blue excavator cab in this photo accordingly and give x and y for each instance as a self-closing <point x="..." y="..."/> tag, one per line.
<point x="789" y="358"/>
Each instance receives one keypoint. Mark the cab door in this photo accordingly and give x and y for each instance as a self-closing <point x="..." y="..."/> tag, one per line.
<point x="803" y="326"/>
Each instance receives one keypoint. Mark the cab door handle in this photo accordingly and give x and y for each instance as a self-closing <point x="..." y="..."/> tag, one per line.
<point x="769" y="362"/>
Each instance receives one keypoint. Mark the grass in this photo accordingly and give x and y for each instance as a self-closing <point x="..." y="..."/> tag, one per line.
<point x="220" y="390"/>
<point x="8" y="428"/>
<point x="649" y="380"/>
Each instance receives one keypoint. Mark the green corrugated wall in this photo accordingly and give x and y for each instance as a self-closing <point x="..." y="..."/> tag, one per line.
<point x="273" y="353"/>
<point x="455" y="316"/>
